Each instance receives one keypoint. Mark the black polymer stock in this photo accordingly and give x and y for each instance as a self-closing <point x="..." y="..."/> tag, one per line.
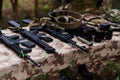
<point x="60" y="34"/>
<point x="33" y="37"/>
<point x="16" y="48"/>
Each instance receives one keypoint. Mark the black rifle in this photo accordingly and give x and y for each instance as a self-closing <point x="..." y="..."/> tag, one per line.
<point x="33" y="37"/>
<point x="16" y="48"/>
<point x="60" y="34"/>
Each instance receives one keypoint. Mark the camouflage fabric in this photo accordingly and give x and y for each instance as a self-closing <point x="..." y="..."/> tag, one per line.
<point x="113" y="15"/>
<point x="83" y="6"/>
<point x="14" y="68"/>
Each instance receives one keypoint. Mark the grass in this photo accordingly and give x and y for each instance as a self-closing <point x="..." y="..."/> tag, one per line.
<point x="112" y="69"/>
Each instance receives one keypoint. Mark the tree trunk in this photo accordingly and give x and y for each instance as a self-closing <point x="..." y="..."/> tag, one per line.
<point x="36" y="7"/>
<point x="15" y="8"/>
<point x="1" y="4"/>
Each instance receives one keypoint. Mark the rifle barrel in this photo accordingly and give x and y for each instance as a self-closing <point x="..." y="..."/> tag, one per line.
<point x="28" y="57"/>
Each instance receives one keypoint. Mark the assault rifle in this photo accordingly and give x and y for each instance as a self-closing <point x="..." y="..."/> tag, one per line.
<point x="16" y="48"/>
<point x="60" y="34"/>
<point x="33" y="37"/>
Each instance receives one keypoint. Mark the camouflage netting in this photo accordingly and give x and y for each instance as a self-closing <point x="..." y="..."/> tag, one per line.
<point x="113" y="15"/>
<point x="82" y="6"/>
<point x="89" y="6"/>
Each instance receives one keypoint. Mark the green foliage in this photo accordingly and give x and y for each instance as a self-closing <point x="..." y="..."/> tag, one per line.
<point x="68" y="72"/>
<point x="112" y="68"/>
<point x="118" y="78"/>
<point x="46" y="8"/>
<point x="40" y="77"/>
